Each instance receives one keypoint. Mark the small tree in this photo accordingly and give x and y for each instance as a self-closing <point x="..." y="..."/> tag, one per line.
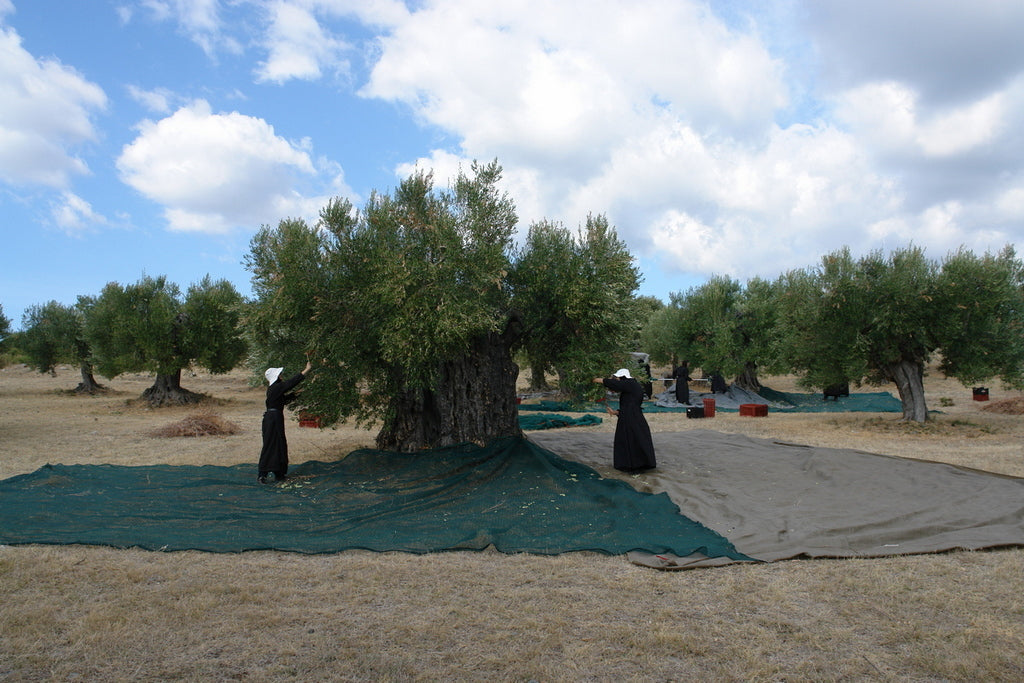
<point x="659" y="335"/>
<point x="881" y="319"/>
<point x="576" y="299"/>
<point x="149" y="327"/>
<point x="719" y="326"/>
<point x="54" y="333"/>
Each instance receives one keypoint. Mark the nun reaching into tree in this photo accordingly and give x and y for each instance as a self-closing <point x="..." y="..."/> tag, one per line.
<point x="634" y="447"/>
<point x="274" y="456"/>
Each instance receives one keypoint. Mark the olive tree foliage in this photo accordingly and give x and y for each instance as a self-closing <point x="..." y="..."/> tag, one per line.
<point x="53" y="333"/>
<point x="720" y="326"/>
<point x="882" y="319"/>
<point x="409" y="308"/>
<point x="659" y="335"/>
<point x="982" y="332"/>
<point x="405" y="306"/>
<point x="149" y="326"/>
<point x="575" y="294"/>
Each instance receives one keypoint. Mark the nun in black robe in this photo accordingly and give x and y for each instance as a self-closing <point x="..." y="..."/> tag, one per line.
<point x="633" y="448"/>
<point x="274" y="455"/>
<point x="682" y="377"/>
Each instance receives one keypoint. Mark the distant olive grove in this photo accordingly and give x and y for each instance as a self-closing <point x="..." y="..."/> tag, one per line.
<point x="876" y="319"/>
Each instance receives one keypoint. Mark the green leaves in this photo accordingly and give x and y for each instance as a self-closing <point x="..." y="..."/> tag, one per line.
<point x="387" y="294"/>
<point x="982" y="331"/>
<point x="855" y="319"/>
<point x="719" y="326"/>
<point x="52" y="335"/>
<point x="575" y="294"/>
<point x="394" y="293"/>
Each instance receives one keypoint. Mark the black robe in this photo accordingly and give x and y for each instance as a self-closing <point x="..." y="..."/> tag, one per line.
<point x="682" y="376"/>
<point x="634" y="447"/>
<point x="274" y="456"/>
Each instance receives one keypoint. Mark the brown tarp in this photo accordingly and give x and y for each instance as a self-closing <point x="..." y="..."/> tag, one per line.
<point x="778" y="501"/>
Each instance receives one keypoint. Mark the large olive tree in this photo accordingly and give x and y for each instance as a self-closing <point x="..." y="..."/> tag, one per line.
<point x="410" y="306"/>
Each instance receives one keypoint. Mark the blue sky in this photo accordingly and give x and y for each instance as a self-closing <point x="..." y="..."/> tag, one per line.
<point x="742" y="138"/>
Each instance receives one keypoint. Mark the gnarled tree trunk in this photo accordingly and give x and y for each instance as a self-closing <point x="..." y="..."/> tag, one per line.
<point x="748" y="378"/>
<point x="166" y="390"/>
<point x="474" y="401"/>
<point x="88" y="385"/>
<point x="909" y="378"/>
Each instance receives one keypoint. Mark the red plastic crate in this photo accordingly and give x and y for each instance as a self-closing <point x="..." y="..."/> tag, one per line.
<point x="307" y="420"/>
<point x="753" y="410"/>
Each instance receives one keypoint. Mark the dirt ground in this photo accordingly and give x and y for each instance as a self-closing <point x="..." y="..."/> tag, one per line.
<point x="85" y="613"/>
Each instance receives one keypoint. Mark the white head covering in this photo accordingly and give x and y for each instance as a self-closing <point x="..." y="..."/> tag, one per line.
<point x="272" y="374"/>
<point x="623" y="372"/>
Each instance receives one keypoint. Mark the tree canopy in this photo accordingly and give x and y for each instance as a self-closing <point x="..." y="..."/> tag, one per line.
<point x="720" y="326"/>
<point x="414" y="306"/>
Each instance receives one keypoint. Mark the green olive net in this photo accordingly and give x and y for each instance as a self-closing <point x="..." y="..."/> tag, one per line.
<point x="512" y="495"/>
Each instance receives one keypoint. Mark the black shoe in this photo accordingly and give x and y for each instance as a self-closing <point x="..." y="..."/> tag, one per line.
<point x="280" y="477"/>
<point x="262" y="479"/>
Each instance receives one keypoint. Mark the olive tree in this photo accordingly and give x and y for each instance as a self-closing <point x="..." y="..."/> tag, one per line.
<point x="721" y="326"/>
<point x="53" y="333"/>
<point x="149" y="326"/>
<point x="411" y="308"/>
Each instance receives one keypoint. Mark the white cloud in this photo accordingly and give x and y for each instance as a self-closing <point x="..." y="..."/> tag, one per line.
<point x="75" y="215"/>
<point x="293" y="33"/>
<point x="298" y="47"/>
<point x="888" y="116"/>
<point x="947" y="51"/>
<point x="729" y="208"/>
<point x="157" y="100"/>
<point x="1010" y="203"/>
<point x="47" y="111"/>
<point x="682" y="127"/>
<point x="573" y="102"/>
<point x="548" y="83"/>
<point x="200" y="20"/>
<point x="215" y="172"/>
<point x="665" y="124"/>
<point x="734" y="137"/>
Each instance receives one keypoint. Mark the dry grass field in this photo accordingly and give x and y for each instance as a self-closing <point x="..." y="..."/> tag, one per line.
<point x="104" y="614"/>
